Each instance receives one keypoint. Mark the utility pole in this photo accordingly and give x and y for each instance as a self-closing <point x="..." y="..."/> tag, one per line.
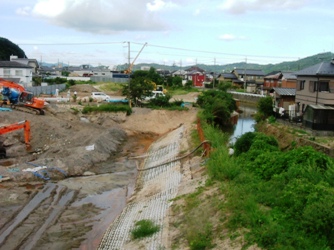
<point x="214" y="74"/>
<point x="245" y="75"/>
<point x="129" y="58"/>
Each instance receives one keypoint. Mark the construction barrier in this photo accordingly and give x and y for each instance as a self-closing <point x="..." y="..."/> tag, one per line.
<point x="206" y="144"/>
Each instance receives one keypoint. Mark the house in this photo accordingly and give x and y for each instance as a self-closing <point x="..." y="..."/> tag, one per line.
<point x="284" y="101"/>
<point x="28" y="62"/>
<point x="16" y="71"/>
<point x="198" y="79"/>
<point x="252" y="78"/>
<point x="230" y="77"/>
<point x="272" y="80"/>
<point x="195" y="69"/>
<point x="315" y="85"/>
<point x="181" y="73"/>
<point x="288" y="80"/>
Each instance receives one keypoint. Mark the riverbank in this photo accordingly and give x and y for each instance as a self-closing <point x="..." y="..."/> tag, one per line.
<point x="79" y="208"/>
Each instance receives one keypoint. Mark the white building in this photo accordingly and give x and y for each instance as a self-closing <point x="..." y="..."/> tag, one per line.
<point x="16" y="72"/>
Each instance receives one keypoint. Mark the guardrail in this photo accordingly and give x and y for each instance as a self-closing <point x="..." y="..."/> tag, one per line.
<point x="245" y="94"/>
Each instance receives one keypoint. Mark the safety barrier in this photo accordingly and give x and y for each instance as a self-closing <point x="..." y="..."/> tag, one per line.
<point x="206" y="144"/>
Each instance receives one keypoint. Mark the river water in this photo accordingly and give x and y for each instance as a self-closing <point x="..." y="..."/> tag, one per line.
<point x="245" y="123"/>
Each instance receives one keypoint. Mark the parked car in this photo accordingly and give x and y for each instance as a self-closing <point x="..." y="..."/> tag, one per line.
<point x="100" y="96"/>
<point x="153" y="95"/>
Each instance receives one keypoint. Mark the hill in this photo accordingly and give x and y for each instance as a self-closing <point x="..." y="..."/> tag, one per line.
<point x="283" y="66"/>
<point x="7" y="49"/>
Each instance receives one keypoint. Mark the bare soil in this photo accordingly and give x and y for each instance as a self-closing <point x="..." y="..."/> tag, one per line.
<point x="88" y="166"/>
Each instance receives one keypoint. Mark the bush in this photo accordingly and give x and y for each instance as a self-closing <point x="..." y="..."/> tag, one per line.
<point x="144" y="228"/>
<point x="107" y="108"/>
<point x="243" y="143"/>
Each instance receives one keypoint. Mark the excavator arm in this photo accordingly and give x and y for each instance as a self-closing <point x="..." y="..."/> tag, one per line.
<point x="16" y="126"/>
<point x="9" y="84"/>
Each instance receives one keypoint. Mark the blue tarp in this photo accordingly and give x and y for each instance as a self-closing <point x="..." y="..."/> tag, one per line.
<point x="5" y="109"/>
<point x="118" y="100"/>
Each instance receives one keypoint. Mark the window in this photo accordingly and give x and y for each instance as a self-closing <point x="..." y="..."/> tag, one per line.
<point x="18" y="72"/>
<point x="301" y="85"/>
<point x="6" y="72"/>
<point x="323" y="86"/>
<point x="320" y="86"/>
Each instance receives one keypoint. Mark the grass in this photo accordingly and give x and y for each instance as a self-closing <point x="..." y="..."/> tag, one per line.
<point x="108" y="108"/>
<point x="144" y="228"/>
<point x="182" y="91"/>
<point x="110" y="87"/>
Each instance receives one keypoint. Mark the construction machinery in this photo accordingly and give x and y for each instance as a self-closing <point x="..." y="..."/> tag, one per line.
<point x="25" y="125"/>
<point x="129" y="69"/>
<point x="17" y="97"/>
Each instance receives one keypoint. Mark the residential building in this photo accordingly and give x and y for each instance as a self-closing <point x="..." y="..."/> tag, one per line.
<point x="284" y="101"/>
<point x="272" y="80"/>
<point x="17" y="72"/>
<point x="315" y="85"/>
<point x="28" y="62"/>
<point x="251" y="78"/>
<point x="288" y="80"/>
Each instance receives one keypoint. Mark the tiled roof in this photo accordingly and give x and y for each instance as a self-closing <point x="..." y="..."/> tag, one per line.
<point x="320" y="69"/>
<point x="229" y="76"/>
<point x="250" y="72"/>
<point x="318" y="106"/>
<point x="10" y="64"/>
<point x="289" y="75"/>
<point x="285" y="91"/>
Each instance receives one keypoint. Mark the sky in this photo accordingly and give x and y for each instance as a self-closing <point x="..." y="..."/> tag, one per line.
<point x="168" y="32"/>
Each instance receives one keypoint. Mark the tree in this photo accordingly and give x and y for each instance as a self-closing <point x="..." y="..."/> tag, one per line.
<point x="177" y="82"/>
<point x="7" y="48"/>
<point x="265" y="107"/>
<point x="138" y="88"/>
<point x="218" y="106"/>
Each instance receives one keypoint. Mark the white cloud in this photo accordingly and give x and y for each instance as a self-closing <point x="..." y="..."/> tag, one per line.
<point x="242" y="6"/>
<point x="49" y="8"/>
<point x="230" y="37"/>
<point x="24" y="11"/>
<point x="102" y="16"/>
<point x="158" y="5"/>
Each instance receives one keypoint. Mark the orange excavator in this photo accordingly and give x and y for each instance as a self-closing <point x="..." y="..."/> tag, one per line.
<point x="17" y="97"/>
<point x="12" y="127"/>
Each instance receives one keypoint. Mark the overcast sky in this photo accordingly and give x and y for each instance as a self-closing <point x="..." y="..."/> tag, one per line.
<point x="180" y="32"/>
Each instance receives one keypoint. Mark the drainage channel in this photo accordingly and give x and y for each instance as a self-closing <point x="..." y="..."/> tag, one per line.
<point x="159" y="186"/>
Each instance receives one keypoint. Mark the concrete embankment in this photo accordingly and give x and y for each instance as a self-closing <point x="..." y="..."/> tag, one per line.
<point x="159" y="180"/>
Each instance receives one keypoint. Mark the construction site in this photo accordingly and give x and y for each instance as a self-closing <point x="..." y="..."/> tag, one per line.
<point x="74" y="181"/>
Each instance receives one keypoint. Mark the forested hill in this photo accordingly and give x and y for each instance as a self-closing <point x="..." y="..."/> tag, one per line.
<point x="283" y="66"/>
<point x="7" y="49"/>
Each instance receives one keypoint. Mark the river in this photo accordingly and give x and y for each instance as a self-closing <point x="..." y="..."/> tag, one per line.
<point x="245" y="123"/>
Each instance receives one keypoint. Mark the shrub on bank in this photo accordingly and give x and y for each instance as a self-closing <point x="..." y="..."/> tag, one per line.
<point x="108" y="108"/>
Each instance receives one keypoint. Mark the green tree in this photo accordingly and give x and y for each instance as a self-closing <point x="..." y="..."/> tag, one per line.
<point x="176" y="82"/>
<point x="7" y="48"/>
<point x="265" y="108"/>
<point x="138" y="88"/>
<point x="217" y="107"/>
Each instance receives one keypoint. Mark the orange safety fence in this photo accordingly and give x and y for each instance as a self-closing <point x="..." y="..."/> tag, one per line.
<point x="206" y="145"/>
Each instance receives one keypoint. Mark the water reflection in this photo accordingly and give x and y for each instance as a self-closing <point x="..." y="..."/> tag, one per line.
<point x="245" y="123"/>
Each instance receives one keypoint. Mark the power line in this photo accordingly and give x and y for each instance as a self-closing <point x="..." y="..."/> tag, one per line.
<point x="157" y="46"/>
